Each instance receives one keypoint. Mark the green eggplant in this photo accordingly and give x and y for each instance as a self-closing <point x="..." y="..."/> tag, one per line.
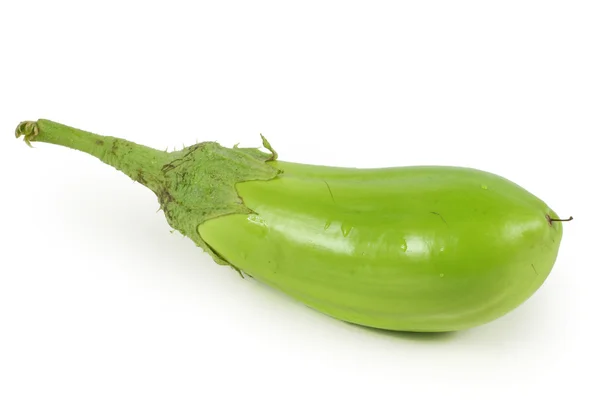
<point x="420" y="248"/>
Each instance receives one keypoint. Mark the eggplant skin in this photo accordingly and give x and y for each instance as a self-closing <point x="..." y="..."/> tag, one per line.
<point x="424" y="249"/>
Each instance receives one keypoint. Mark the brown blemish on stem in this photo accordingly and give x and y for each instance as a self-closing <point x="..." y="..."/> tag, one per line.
<point x="114" y="148"/>
<point x="140" y="177"/>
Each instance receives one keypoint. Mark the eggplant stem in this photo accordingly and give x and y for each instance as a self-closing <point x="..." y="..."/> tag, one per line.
<point x="140" y="163"/>
<point x="551" y="220"/>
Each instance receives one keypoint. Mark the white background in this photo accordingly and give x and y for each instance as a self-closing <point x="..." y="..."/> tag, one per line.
<point x="98" y="300"/>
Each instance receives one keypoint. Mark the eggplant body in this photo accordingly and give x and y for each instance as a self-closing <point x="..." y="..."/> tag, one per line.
<point x="410" y="248"/>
